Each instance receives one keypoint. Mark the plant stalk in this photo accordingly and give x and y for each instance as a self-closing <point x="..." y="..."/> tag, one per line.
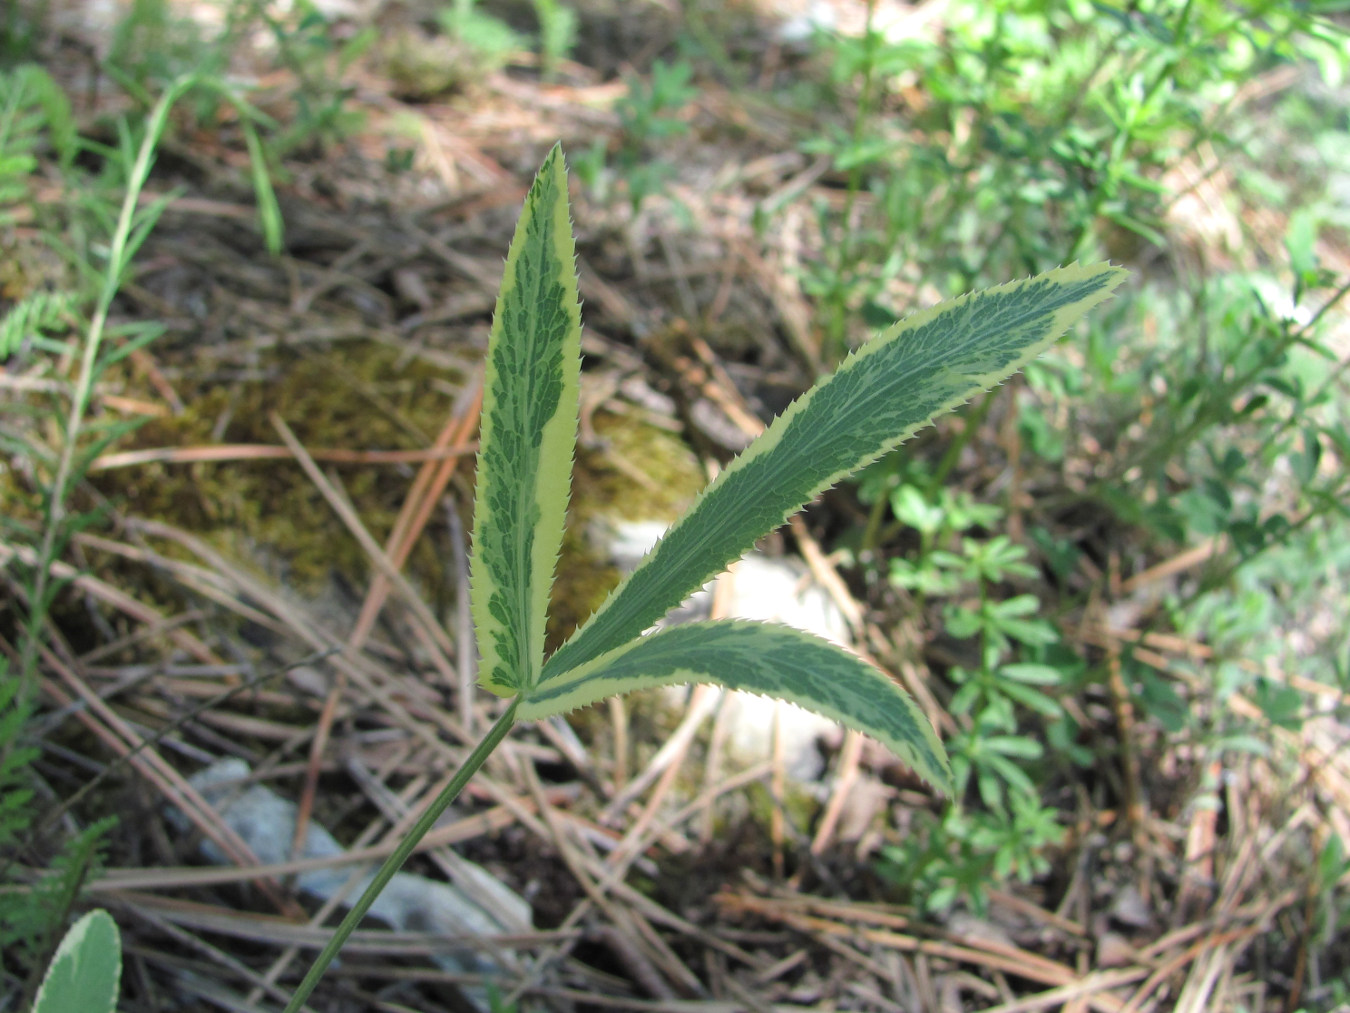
<point x="118" y="257"/>
<point x="395" y="861"/>
<point x="846" y="261"/>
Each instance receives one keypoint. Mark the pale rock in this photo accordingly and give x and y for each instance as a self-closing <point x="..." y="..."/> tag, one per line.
<point x="761" y="588"/>
<point x="409" y="903"/>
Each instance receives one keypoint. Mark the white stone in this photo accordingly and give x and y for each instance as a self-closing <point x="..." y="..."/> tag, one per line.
<point x="409" y="903"/>
<point x="761" y="588"/>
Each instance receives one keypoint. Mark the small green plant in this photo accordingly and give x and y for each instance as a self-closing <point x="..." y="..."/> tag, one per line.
<point x="129" y="164"/>
<point x="1024" y="130"/>
<point x="1013" y="675"/>
<point x="1019" y="131"/>
<point x="557" y="34"/>
<point x="107" y="226"/>
<point x="916" y="369"/>
<point x="34" y="116"/>
<point x="152" y="45"/>
<point x="85" y="972"/>
<point x="648" y="114"/>
<point x="491" y="38"/>
<point x="34" y="112"/>
<point x="309" y="48"/>
<point x="31" y="920"/>
<point x="953" y="858"/>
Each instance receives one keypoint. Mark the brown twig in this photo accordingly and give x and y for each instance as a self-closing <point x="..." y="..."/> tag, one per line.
<point x="266" y="452"/>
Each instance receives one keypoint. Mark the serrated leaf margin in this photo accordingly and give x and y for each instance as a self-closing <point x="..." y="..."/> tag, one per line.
<point x="883" y="392"/>
<point x="527" y="437"/>
<point x="764" y="658"/>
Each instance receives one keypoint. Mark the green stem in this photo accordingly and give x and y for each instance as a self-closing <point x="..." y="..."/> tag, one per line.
<point x="118" y="259"/>
<point x="395" y="861"/>
<point x="874" y="516"/>
<point x="1212" y="411"/>
<point x="973" y="422"/>
<point x="845" y="261"/>
<point x="1332" y="378"/>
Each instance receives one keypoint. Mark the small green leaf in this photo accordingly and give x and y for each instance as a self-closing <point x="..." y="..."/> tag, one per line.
<point x="923" y="366"/>
<point x="528" y="433"/>
<point x="909" y="506"/>
<point x="775" y="661"/>
<point x="1032" y="673"/>
<point x="85" y="972"/>
<point x="1032" y="699"/>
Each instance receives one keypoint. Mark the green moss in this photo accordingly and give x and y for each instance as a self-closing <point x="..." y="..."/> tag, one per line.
<point x="360" y="395"/>
<point x="800" y="807"/>
<point x="635" y="472"/>
<point x="638" y="472"/>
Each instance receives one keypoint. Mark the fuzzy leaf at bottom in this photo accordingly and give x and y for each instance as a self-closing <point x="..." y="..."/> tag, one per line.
<point x="85" y="971"/>
<point x="772" y="660"/>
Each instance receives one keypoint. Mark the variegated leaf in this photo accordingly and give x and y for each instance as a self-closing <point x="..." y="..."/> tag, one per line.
<point x="924" y="365"/>
<point x="85" y="969"/>
<point x="763" y="658"/>
<point x="529" y="429"/>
